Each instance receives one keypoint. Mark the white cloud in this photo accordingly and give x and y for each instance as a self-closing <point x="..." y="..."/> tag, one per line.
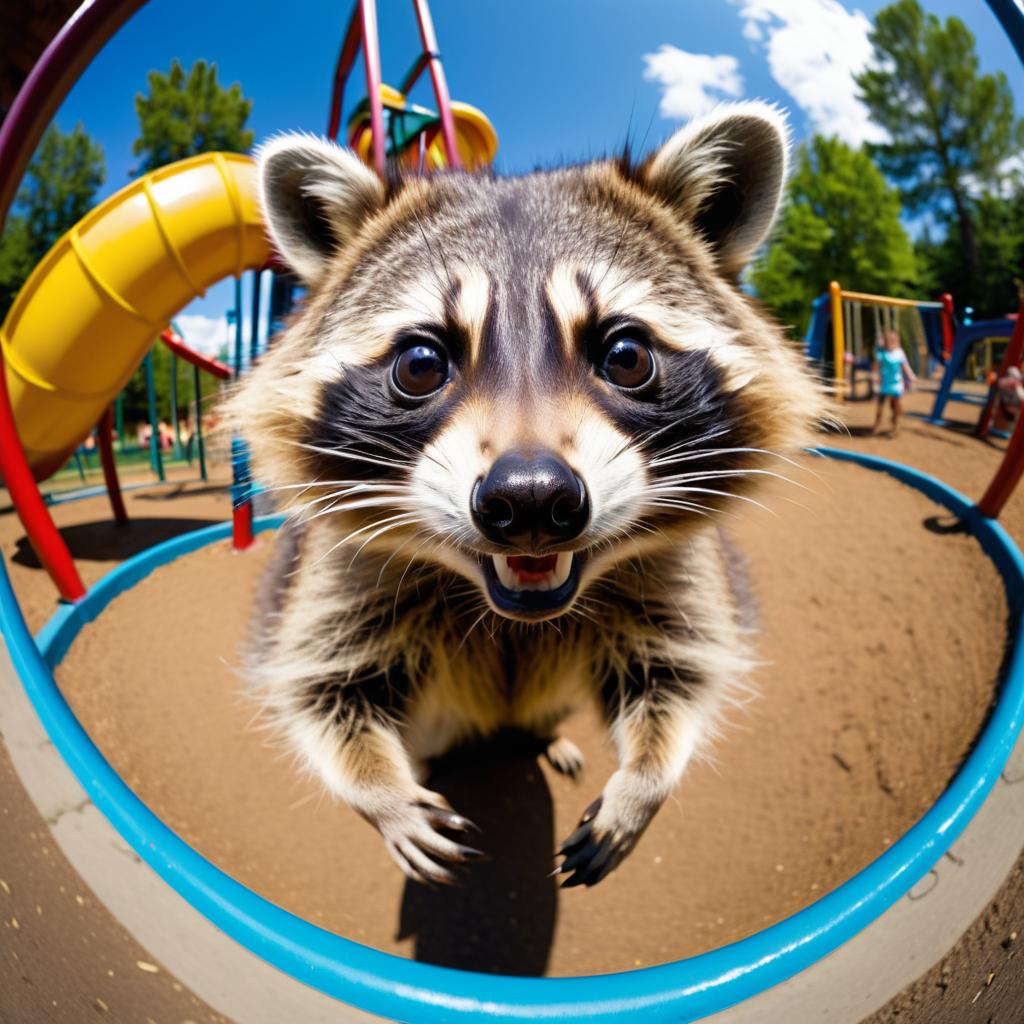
<point x="814" y="48"/>
<point x="205" y="334"/>
<point x="693" y="83"/>
<point x="752" y="30"/>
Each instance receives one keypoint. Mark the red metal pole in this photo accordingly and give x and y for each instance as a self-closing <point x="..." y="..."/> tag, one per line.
<point x="173" y="341"/>
<point x="38" y="99"/>
<point x="105" y="433"/>
<point x="241" y="523"/>
<point x="1007" y="476"/>
<point x="444" y="103"/>
<point x="947" y="325"/>
<point x="346" y="59"/>
<point x="43" y="535"/>
<point x="371" y="58"/>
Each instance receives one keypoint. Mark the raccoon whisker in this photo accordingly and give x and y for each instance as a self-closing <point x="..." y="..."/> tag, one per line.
<point x="667" y="458"/>
<point x="685" y="506"/>
<point x="409" y="565"/>
<point x="726" y="494"/>
<point x="319" y="483"/>
<point x="726" y="474"/>
<point x="348" y="452"/>
<point x="394" y="492"/>
<point x="392" y="522"/>
<point x="343" y="453"/>
<point x="407" y="519"/>
<point x="394" y="554"/>
<point x="476" y="622"/>
<point x="430" y="253"/>
<point x="341" y="507"/>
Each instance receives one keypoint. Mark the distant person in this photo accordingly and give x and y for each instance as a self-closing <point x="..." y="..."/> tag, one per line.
<point x="1010" y="391"/>
<point x="893" y="374"/>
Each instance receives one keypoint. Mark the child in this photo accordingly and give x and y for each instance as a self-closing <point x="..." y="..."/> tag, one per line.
<point x="1010" y="392"/>
<point x="891" y="370"/>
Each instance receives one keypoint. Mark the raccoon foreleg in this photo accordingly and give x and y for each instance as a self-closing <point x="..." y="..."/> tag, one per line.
<point x="360" y="755"/>
<point x="656" y="722"/>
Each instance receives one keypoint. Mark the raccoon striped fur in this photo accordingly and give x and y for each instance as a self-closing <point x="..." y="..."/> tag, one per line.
<point x="506" y="420"/>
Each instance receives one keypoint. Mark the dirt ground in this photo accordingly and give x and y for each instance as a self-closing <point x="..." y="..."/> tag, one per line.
<point x="64" y="959"/>
<point x="863" y="713"/>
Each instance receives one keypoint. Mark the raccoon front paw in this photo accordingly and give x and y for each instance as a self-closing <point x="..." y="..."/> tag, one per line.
<point x="411" y="834"/>
<point x="564" y="756"/>
<point x="609" y="829"/>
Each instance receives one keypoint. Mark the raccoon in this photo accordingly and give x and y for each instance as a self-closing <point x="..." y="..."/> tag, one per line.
<point x="507" y="421"/>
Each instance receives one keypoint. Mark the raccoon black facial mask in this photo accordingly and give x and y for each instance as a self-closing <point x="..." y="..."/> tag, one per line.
<point x="511" y="411"/>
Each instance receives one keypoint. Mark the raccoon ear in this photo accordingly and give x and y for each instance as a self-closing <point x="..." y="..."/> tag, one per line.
<point x="724" y="173"/>
<point x="314" y="195"/>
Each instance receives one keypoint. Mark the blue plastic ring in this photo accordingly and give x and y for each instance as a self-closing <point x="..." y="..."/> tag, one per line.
<point x="402" y="989"/>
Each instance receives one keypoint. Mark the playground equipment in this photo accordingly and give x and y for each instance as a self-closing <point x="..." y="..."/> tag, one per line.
<point x="414" y="132"/>
<point x="681" y="991"/>
<point x="967" y="337"/>
<point x="844" y="316"/>
<point x="91" y="308"/>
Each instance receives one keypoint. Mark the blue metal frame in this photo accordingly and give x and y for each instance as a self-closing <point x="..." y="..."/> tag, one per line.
<point x="967" y="335"/>
<point x="401" y="989"/>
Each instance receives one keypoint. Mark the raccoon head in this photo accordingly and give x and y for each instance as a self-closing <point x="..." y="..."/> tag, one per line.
<point x="527" y="380"/>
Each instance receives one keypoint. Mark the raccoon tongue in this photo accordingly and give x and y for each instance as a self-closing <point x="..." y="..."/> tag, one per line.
<point x="531" y="569"/>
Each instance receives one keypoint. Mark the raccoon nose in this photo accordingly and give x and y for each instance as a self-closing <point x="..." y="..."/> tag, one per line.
<point x="530" y="499"/>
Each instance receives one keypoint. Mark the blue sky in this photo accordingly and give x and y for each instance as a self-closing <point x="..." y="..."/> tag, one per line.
<point x="560" y="79"/>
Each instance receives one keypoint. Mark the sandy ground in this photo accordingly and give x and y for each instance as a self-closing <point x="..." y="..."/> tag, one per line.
<point x="849" y="741"/>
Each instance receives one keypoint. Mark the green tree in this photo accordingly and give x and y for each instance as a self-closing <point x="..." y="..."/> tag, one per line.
<point x="1000" y="227"/>
<point x="841" y="222"/>
<point x="136" y="396"/>
<point x="189" y="113"/>
<point x="951" y="129"/>
<point x="59" y="189"/>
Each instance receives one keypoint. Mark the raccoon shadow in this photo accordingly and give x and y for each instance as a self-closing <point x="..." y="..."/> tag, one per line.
<point x="501" y="919"/>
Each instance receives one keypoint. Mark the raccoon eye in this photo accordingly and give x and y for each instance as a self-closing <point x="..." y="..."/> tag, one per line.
<point x="628" y="363"/>
<point x="420" y="369"/>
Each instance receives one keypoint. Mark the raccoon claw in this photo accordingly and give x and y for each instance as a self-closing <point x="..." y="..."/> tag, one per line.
<point x="441" y="818"/>
<point x="564" y="756"/>
<point x="592" y="862"/>
<point x="582" y="831"/>
<point x="414" y="840"/>
<point x="608" y="830"/>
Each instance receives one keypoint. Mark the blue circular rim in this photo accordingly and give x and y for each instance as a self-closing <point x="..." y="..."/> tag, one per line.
<point x="405" y="990"/>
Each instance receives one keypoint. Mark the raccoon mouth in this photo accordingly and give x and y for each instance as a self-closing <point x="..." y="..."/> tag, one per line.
<point x="532" y="586"/>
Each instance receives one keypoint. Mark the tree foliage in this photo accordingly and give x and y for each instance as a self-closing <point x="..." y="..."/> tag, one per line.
<point x="136" y="395"/>
<point x="185" y="113"/>
<point x="59" y="189"/>
<point x="952" y="130"/>
<point x="841" y="222"/>
<point x="1000" y="229"/>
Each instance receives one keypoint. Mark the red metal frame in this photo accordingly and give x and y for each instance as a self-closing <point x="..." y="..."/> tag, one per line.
<point x="1012" y="467"/>
<point x="439" y="81"/>
<point x="1007" y="476"/>
<point x="177" y="345"/>
<point x="362" y="30"/>
<point x="947" y="326"/>
<point x="41" y="94"/>
<point x="104" y="436"/>
<point x="241" y="527"/>
<point x="28" y="502"/>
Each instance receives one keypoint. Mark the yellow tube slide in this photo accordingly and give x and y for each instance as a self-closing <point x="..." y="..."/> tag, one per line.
<point x="93" y="306"/>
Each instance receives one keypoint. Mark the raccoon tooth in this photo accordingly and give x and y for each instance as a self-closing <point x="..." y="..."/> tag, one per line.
<point x="563" y="566"/>
<point x="506" y="574"/>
